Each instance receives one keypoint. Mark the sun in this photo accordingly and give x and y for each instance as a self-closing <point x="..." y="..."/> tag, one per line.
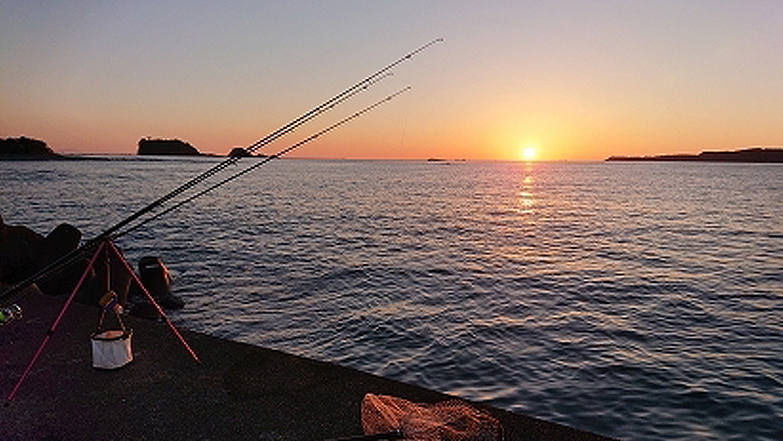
<point x="528" y="153"/>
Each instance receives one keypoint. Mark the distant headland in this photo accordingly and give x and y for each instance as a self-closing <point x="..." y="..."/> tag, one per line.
<point x="26" y="148"/>
<point x="745" y="155"/>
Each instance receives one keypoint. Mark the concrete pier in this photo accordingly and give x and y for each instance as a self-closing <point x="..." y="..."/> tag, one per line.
<point x="238" y="392"/>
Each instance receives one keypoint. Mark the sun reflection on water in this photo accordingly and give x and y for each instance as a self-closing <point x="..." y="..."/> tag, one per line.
<point x="526" y="198"/>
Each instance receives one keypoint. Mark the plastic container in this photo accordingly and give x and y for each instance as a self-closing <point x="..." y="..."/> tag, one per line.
<point x="111" y="349"/>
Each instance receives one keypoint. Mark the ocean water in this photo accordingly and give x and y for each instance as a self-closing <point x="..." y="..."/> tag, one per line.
<point x="638" y="300"/>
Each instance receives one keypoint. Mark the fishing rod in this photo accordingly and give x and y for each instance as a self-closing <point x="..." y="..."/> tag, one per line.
<point x="288" y="128"/>
<point x="268" y="159"/>
<point x="316" y="111"/>
<point x="68" y="258"/>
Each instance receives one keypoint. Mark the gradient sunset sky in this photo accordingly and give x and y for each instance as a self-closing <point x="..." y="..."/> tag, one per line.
<point x="575" y="80"/>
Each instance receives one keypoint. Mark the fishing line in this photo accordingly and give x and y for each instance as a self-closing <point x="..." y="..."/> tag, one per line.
<point x="267" y="159"/>
<point x="68" y="258"/>
<point x="231" y="160"/>
<point x="316" y="111"/>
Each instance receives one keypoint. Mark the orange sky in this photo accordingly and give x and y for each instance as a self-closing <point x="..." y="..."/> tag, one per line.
<point x="574" y="80"/>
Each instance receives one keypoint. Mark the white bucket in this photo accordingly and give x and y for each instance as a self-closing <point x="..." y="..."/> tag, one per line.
<point x="111" y="349"/>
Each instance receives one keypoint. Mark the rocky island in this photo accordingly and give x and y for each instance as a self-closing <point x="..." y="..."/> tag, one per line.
<point x="239" y="152"/>
<point x="745" y="155"/>
<point x="149" y="146"/>
<point x="26" y="148"/>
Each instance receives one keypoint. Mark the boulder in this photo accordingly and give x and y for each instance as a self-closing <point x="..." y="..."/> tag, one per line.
<point x="20" y="248"/>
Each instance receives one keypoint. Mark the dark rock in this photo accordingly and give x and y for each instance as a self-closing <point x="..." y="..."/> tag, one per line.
<point x="20" y="248"/>
<point x="157" y="280"/>
<point x="148" y="146"/>
<point x="61" y="241"/>
<point x="239" y="152"/>
<point x="23" y="252"/>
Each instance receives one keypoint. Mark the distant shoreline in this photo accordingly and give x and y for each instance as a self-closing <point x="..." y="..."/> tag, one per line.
<point x="754" y="155"/>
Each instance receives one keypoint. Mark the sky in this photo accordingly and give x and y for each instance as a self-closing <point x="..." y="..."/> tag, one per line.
<point x="574" y="80"/>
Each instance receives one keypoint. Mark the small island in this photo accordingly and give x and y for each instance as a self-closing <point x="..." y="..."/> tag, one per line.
<point x="149" y="146"/>
<point x="757" y="155"/>
<point x="239" y="152"/>
<point x="26" y="148"/>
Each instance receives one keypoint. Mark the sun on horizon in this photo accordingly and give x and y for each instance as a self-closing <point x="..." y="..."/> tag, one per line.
<point x="529" y="153"/>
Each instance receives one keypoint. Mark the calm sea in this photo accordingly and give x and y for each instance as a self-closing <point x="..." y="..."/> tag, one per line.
<point x="638" y="300"/>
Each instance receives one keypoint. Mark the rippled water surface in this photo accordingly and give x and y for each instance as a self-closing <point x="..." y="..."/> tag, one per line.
<point x="637" y="300"/>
